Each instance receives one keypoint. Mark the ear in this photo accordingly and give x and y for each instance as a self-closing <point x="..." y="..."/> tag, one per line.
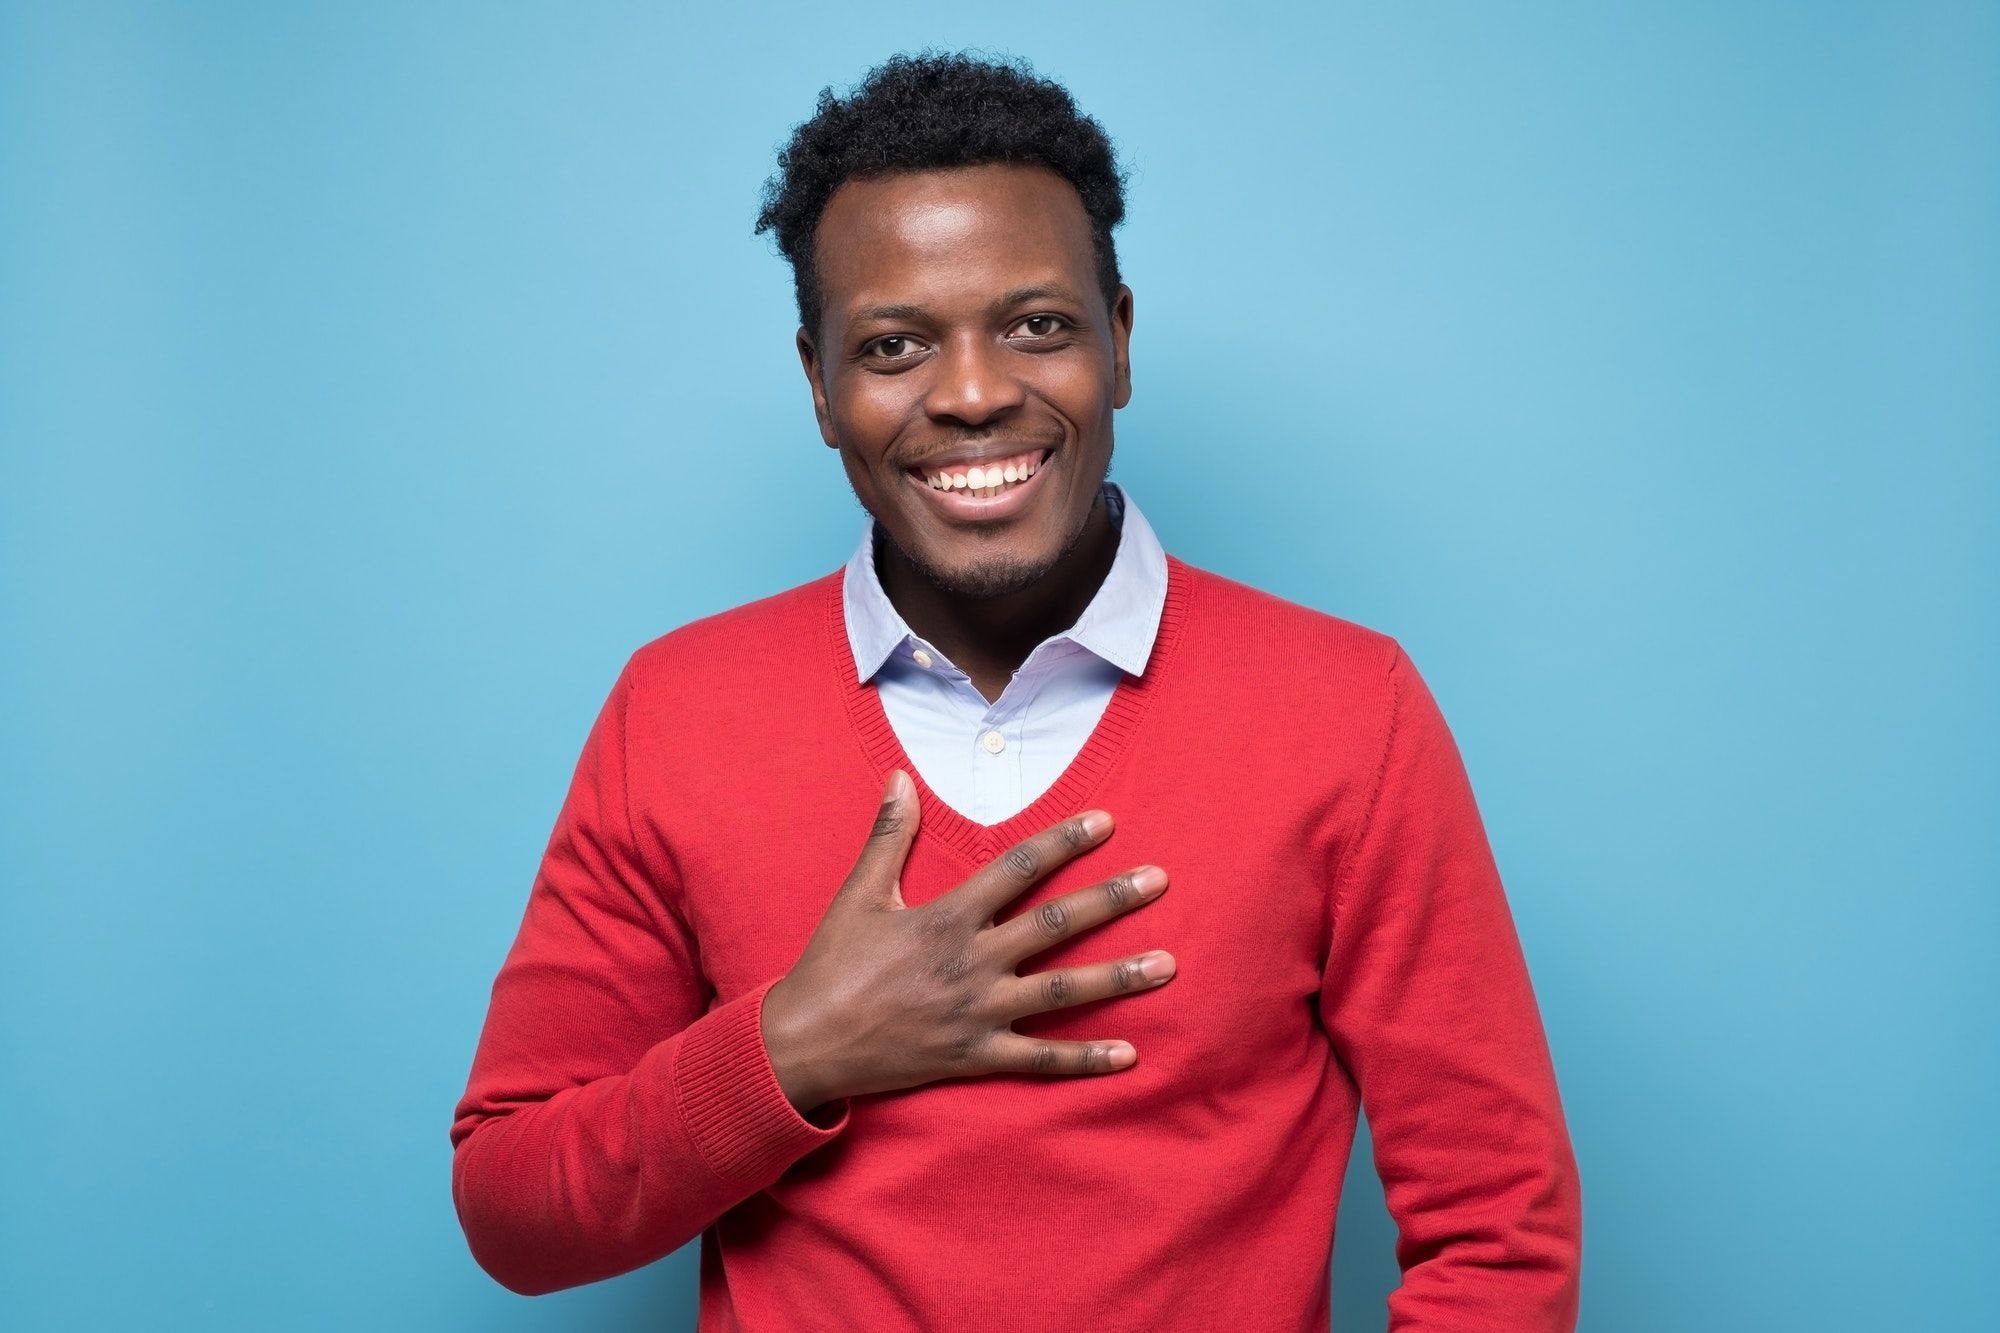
<point x="1121" y="341"/>
<point x="809" y="360"/>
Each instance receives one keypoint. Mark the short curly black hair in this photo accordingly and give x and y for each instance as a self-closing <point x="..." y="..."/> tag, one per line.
<point x="931" y="110"/>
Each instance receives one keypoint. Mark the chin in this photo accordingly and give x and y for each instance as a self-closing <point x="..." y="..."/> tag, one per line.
<point x="994" y="568"/>
<point x="993" y="576"/>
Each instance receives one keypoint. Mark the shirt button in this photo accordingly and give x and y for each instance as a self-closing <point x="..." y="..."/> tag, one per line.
<point x="923" y="658"/>
<point x="993" y="742"/>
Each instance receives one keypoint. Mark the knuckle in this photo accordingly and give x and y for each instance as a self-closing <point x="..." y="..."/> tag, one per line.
<point x="1057" y="988"/>
<point x="1043" y="1059"/>
<point x="1052" y="919"/>
<point x="962" y="1047"/>
<point x="1074" y="834"/>
<point x="1021" y="862"/>
<point x="887" y="822"/>
<point x="951" y="966"/>
<point x="1127" y="976"/>
<point x="1095" y="1057"/>
<point x="1121" y="891"/>
<point x="939" y="920"/>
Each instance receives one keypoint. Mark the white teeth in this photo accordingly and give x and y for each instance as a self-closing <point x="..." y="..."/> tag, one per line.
<point x="986" y="478"/>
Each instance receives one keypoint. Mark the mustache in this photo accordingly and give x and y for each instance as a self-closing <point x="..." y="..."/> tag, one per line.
<point x="973" y="450"/>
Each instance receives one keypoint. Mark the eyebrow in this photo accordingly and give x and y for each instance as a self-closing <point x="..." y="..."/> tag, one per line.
<point x="1041" y="291"/>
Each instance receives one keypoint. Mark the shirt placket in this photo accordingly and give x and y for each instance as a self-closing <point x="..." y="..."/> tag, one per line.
<point x="994" y="729"/>
<point x="996" y="755"/>
<point x="1000" y="776"/>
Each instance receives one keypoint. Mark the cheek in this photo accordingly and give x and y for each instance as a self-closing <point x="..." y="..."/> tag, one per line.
<point x="1077" y="394"/>
<point x="871" y="414"/>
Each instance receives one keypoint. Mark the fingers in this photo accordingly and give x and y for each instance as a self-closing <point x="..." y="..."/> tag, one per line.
<point x="1062" y="987"/>
<point x="1028" y="934"/>
<point x="1003" y="879"/>
<point x="1012" y="1053"/>
<point x="877" y="872"/>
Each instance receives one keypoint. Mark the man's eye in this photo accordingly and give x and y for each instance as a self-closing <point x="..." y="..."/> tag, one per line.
<point x="1051" y="323"/>
<point x="892" y="345"/>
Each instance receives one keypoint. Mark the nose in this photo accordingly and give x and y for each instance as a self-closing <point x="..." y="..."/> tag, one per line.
<point x="971" y="384"/>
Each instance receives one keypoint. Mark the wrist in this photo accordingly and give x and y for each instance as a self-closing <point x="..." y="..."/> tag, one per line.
<point x="787" y="1046"/>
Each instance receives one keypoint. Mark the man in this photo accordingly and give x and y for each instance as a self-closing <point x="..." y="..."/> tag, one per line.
<point x="993" y="1073"/>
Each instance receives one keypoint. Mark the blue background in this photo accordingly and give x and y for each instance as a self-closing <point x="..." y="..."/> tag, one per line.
<point x="374" y="378"/>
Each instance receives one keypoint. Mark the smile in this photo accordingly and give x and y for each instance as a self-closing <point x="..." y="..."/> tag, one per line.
<point x="990" y="491"/>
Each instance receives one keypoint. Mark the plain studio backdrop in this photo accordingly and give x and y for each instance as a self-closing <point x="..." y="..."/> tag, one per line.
<point x="375" y="378"/>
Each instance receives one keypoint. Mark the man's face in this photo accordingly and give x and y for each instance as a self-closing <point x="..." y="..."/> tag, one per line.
<point x="963" y="323"/>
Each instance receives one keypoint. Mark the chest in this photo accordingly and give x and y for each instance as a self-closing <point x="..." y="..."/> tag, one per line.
<point x="1244" y="913"/>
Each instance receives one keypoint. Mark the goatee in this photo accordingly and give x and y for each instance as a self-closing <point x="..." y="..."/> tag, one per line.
<point x="997" y="577"/>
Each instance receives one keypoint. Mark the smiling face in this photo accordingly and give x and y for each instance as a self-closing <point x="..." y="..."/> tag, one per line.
<point x="963" y="325"/>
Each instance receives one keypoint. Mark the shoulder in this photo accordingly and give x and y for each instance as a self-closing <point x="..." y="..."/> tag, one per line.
<point x="760" y="637"/>
<point x="1356" y="662"/>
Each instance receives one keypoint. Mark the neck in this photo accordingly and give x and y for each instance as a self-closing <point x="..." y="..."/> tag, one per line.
<point x="989" y="637"/>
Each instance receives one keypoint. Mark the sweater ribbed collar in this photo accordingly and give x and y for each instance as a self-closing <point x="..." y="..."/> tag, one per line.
<point x="1116" y="730"/>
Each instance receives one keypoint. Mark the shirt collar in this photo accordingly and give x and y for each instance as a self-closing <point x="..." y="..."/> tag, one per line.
<point x="1119" y="625"/>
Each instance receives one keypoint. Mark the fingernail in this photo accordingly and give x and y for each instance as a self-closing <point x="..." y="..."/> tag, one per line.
<point x="1120" y="1055"/>
<point x="898" y="783"/>
<point x="1148" y="878"/>
<point x="1157" y="966"/>
<point x="1096" y="823"/>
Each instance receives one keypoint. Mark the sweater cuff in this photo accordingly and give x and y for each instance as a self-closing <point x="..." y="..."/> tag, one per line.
<point x="730" y="1099"/>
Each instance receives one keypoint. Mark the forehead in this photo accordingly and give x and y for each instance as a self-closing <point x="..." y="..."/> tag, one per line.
<point x="943" y="236"/>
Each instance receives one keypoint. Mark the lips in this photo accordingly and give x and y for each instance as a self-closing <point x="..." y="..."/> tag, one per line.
<point x="992" y="464"/>
<point x="959" y="505"/>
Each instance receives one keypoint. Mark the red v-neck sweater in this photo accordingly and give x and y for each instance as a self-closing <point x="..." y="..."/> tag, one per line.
<point x="1343" y="942"/>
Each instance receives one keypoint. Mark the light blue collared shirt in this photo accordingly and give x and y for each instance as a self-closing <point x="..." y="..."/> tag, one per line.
<point x="990" y="761"/>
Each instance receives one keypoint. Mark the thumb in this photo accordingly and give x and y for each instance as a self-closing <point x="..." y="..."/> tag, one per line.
<point x="877" y="877"/>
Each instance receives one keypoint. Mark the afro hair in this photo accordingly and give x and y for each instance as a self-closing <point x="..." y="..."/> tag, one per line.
<point x="929" y="111"/>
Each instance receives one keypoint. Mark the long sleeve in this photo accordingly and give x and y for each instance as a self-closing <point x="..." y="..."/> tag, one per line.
<point x="1427" y="999"/>
<point x="610" y="1116"/>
